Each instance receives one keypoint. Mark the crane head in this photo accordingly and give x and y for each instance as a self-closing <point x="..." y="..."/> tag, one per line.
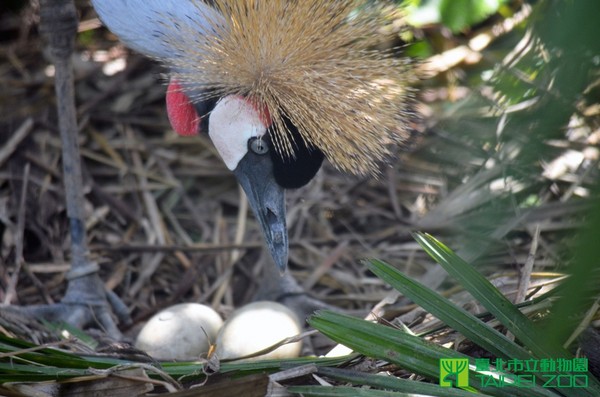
<point x="239" y="129"/>
<point x="278" y="86"/>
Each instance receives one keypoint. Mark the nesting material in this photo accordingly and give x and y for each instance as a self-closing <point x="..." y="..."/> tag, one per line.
<point x="255" y="327"/>
<point x="180" y="332"/>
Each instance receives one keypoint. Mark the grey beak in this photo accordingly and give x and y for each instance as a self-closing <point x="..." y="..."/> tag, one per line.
<point x="267" y="200"/>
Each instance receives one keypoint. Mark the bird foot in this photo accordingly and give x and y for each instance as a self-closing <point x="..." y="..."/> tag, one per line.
<point x="286" y="290"/>
<point x="304" y="305"/>
<point x="86" y="302"/>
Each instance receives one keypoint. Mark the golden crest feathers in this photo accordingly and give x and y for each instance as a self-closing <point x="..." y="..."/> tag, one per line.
<point x="310" y="61"/>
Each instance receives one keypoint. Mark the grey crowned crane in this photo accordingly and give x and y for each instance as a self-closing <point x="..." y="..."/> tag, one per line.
<point x="278" y="85"/>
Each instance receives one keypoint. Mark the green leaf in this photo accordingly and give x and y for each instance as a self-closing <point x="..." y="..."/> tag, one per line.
<point x="497" y="304"/>
<point x="452" y="315"/>
<point x="393" y="383"/>
<point x="18" y="364"/>
<point x="405" y="350"/>
<point x="582" y="288"/>
<point x="490" y="297"/>
<point x="343" y="391"/>
<point x="458" y="15"/>
<point x="382" y="342"/>
<point x="62" y="328"/>
<point x="279" y="364"/>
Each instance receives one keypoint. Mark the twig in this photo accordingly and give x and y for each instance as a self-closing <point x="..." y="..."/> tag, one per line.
<point x="472" y="51"/>
<point x="526" y="271"/>
<point x="235" y="253"/>
<point x="203" y="247"/>
<point x="293" y="373"/>
<point x="12" y="285"/>
<point x="21" y="133"/>
<point x="168" y="383"/>
<point x="585" y="323"/>
<point x="150" y="263"/>
<point x="325" y="265"/>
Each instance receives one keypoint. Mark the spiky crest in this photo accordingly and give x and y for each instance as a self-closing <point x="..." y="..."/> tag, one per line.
<point x="309" y="60"/>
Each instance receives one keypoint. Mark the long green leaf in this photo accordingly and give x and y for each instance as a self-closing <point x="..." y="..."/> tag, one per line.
<point x="17" y="363"/>
<point x="402" y="349"/>
<point x="490" y="297"/>
<point x="279" y="364"/>
<point x="343" y="391"/>
<point x="454" y="316"/>
<point x="503" y="309"/>
<point x="393" y="383"/>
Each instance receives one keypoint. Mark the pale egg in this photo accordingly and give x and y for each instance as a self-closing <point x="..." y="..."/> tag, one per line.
<point x="255" y="327"/>
<point x="180" y="332"/>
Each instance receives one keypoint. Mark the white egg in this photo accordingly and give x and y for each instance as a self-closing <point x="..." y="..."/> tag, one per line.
<point x="180" y="332"/>
<point x="255" y="327"/>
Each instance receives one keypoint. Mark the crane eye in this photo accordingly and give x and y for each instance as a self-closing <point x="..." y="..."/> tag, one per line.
<point x="258" y="146"/>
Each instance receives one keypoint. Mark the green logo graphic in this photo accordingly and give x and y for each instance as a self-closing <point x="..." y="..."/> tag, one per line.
<point x="454" y="370"/>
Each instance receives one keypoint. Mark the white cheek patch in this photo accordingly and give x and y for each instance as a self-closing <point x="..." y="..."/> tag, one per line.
<point x="231" y="124"/>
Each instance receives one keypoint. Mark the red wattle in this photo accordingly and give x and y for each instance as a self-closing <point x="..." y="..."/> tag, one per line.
<point x="182" y="115"/>
<point x="263" y="112"/>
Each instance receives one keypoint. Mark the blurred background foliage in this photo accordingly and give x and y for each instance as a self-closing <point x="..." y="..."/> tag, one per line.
<point x="524" y="139"/>
<point x="456" y="15"/>
<point x="529" y="99"/>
